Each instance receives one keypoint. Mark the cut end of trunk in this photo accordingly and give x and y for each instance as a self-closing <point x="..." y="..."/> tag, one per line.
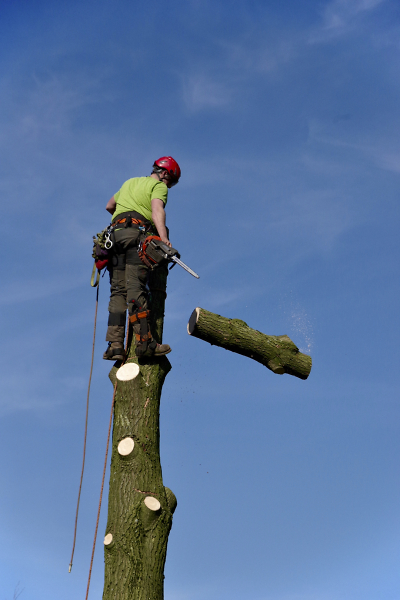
<point x="126" y="446"/>
<point x="152" y="503"/>
<point x="108" y="539"/>
<point x="128" y="371"/>
<point x="194" y="317"/>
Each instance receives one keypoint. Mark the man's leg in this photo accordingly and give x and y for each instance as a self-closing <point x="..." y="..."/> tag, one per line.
<point x="138" y="306"/>
<point x="117" y="308"/>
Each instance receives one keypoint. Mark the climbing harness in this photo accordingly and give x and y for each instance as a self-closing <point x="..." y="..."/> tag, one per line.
<point x="86" y="427"/>
<point x="103" y="243"/>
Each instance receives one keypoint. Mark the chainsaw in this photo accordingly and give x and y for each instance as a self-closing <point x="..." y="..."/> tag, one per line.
<point x="153" y="252"/>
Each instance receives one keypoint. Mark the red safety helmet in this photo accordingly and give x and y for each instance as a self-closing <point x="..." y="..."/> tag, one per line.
<point x="170" y="165"/>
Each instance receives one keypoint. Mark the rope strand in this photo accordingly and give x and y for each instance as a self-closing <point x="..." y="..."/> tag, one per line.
<point x="86" y="427"/>
<point x="101" y="492"/>
<point x="104" y="469"/>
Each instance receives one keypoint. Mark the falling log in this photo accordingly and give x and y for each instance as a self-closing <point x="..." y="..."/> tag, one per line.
<point x="276" y="352"/>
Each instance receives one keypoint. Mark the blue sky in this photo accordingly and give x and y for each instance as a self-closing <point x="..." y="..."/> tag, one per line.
<point x="284" y="118"/>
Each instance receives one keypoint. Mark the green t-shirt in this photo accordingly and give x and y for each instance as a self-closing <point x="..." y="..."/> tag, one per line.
<point x="137" y="194"/>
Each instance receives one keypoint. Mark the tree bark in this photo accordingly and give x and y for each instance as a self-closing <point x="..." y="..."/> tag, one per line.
<point x="276" y="352"/>
<point x="140" y="508"/>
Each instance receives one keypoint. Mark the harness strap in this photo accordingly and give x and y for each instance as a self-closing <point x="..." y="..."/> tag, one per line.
<point x="128" y="222"/>
<point x="139" y="315"/>
<point x="144" y="339"/>
<point x="94" y="283"/>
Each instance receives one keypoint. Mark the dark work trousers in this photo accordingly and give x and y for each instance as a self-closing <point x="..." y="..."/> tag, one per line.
<point x="128" y="278"/>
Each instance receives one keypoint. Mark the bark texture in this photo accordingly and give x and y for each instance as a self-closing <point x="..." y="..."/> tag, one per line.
<point x="277" y="352"/>
<point x="135" y="554"/>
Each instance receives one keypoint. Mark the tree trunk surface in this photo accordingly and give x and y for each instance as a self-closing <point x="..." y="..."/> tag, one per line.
<point x="276" y="352"/>
<point x="140" y="508"/>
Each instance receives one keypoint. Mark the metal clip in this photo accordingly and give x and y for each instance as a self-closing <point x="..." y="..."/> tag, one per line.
<point x="108" y="243"/>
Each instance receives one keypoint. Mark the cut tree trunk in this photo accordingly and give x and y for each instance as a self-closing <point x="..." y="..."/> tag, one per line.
<point x="277" y="352"/>
<point x="140" y="508"/>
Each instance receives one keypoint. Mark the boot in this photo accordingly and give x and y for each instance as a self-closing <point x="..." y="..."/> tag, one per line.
<point x="115" y="351"/>
<point x="162" y="349"/>
<point x="146" y="346"/>
<point x="152" y="348"/>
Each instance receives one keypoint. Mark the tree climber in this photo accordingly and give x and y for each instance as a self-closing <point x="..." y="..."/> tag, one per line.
<point x="139" y="203"/>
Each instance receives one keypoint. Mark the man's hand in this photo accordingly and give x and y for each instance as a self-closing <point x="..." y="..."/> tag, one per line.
<point x="158" y="216"/>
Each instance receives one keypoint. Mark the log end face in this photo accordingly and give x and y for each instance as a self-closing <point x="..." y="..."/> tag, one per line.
<point x="194" y="317"/>
<point x="152" y="503"/>
<point x="128" y="371"/>
<point x="125" y="446"/>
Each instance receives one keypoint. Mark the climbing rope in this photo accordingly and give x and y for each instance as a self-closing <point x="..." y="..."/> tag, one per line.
<point x="101" y="491"/>
<point x="104" y="471"/>
<point x="86" y="426"/>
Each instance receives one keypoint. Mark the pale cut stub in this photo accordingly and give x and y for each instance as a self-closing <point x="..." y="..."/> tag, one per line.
<point x="128" y="371"/>
<point x="152" y="503"/>
<point x="108" y="539"/>
<point x="194" y="317"/>
<point x="126" y="446"/>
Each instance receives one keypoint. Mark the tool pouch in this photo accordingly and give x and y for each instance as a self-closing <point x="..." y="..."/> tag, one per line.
<point x="102" y="248"/>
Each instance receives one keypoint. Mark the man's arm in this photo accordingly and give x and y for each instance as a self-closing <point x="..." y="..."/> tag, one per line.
<point x="111" y="205"/>
<point x="158" y="216"/>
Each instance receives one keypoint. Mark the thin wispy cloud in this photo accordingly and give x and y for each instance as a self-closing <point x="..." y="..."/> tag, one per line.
<point x="341" y="16"/>
<point x="38" y="290"/>
<point x="383" y="152"/>
<point x="247" y="57"/>
<point x="49" y="102"/>
<point x="200" y="92"/>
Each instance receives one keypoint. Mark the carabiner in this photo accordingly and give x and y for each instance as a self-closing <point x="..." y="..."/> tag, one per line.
<point x="108" y="242"/>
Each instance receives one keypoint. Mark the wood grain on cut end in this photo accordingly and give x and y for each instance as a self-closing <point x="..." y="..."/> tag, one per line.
<point x="128" y="371"/>
<point x="194" y="317"/>
<point x="152" y="503"/>
<point x="126" y="446"/>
